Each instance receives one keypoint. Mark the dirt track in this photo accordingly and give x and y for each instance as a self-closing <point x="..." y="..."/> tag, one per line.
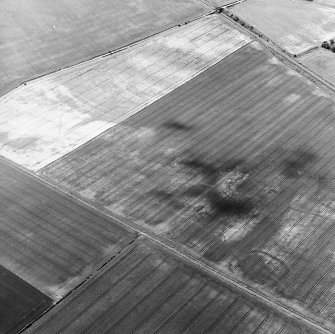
<point x="146" y="290"/>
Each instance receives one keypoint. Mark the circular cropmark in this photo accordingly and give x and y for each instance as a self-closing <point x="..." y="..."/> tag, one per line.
<point x="259" y="266"/>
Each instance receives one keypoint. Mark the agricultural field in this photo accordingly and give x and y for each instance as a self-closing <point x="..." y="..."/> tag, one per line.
<point x="20" y="303"/>
<point x="145" y="290"/>
<point x="239" y="174"/>
<point x="53" y="115"/>
<point x="40" y="36"/>
<point x="321" y="62"/>
<point x="295" y="25"/>
<point x="49" y="240"/>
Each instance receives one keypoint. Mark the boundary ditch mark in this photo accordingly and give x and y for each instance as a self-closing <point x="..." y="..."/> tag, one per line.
<point x="123" y="251"/>
<point x="179" y="252"/>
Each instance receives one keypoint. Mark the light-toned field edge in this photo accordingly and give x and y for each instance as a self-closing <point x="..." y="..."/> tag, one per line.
<point x="112" y="45"/>
<point x="32" y="132"/>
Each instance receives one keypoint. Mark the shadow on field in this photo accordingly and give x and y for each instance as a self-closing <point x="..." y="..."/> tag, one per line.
<point x="231" y="192"/>
<point x="220" y="204"/>
<point x="297" y="163"/>
<point x="174" y="125"/>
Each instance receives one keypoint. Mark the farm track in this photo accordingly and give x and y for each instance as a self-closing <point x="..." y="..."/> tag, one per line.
<point x="209" y="121"/>
<point x="147" y="290"/>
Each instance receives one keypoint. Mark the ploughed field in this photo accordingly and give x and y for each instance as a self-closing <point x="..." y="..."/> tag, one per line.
<point x="236" y="166"/>
<point x="146" y="290"/>
<point x="295" y="25"/>
<point x="53" y="115"/>
<point x="40" y="36"/>
<point x="48" y="239"/>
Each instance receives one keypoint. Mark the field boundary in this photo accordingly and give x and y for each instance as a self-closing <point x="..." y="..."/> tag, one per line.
<point x="301" y="54"/>
<point x="131" y="113"/>
<point x="181" y="252"/>
<point x="177" y="250"/>
<point x="282" y="55"/>
<point x="121" y="252"/>
<point x="16" y="84"/>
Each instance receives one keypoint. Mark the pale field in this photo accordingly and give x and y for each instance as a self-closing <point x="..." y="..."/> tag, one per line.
<point x="295" y="25"/>
<point x="322" y="62"/>
<point x="53" y="115"/>
<point x="39" y="36"/>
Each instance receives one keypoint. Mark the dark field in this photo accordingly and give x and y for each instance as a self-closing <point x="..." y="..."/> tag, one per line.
<point x="147" y="291"/>
<point x="20" y="303"/>
<point x="48" y="239"/>
<point x="39" y="36"/>
<point x="236" y="165"/>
